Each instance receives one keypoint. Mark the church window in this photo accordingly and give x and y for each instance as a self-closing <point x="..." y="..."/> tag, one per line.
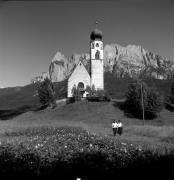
<point x="81" y="89"/>
<point x="97" y="55"/>
<point x="81" y="86"/>
<point x="92" y="45"/>
<point x="97" y="45"/>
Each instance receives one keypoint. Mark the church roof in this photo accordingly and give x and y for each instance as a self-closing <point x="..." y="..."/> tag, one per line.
<point x="96" y="34"/>
<point x="87" y="67"/>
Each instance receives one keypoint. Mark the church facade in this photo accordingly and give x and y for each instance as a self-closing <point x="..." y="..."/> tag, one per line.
<point x="81" y="77"/>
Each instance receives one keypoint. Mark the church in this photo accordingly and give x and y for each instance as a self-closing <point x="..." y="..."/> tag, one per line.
<point x="82" y="77"/>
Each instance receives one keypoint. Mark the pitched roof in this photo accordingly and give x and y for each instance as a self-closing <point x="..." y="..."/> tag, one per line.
<point x="87" y="67"/>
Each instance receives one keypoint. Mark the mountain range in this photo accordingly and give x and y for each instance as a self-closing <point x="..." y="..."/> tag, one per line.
<point x="130" y="61"/>
<point x="119" y="62"/>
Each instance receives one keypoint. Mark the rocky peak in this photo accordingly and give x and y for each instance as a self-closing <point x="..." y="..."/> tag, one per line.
<point x="122" y="61"/>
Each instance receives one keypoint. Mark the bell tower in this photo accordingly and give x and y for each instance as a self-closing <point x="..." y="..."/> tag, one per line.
<point x="96" y="56"/>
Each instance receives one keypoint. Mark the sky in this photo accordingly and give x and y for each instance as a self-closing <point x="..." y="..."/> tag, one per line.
<point x="31" y="32"/>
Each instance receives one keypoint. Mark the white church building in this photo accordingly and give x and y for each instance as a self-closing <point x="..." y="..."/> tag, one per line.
<point x="81" y="77"/>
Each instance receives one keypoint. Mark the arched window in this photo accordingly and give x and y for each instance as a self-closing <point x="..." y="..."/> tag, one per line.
<point x="97" y="55"/>
<point x="92" y="45"/>
<point x="81" y="86"/>
<point x="81" y="89"/>
<point x="97" y="44"/>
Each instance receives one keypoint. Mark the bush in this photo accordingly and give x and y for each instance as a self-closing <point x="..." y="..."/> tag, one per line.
<point x="93" y="98"/>
<point x="70" y="100"/>
<point x="76" y="93"/>
<point x="46" y="93"/>
<point x="97" y="95"/>
<point x="153" y="102"/>
<point x="172" y="93"/>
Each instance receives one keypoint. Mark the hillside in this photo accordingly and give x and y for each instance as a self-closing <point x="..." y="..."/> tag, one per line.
<point x="97" y="117"/>
<point x="12" y="98"/>
<point x="117" y="87"/>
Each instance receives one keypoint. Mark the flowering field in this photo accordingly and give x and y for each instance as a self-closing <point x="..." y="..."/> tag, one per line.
<point x="72" y="153"/>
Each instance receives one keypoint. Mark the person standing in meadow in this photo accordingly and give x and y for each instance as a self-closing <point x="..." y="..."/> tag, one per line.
<point x="114" y="127"/>
<point x="120" y="127"/>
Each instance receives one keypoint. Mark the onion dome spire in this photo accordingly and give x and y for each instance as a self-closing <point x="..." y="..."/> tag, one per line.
<point x="96" y="34"/>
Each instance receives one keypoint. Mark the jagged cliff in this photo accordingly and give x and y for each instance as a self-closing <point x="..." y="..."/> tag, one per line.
<point x="132" y="61"/>
<point x="61" y="67"/>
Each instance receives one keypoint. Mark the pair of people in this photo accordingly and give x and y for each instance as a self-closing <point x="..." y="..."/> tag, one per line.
<point x="117" y="127"/>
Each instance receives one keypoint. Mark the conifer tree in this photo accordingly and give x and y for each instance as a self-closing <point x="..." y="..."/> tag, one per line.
<point x="152" y="101"/>
<point x="172" y="93"/>
<point x="75" y="92"/>
<point x="46" y="93"/>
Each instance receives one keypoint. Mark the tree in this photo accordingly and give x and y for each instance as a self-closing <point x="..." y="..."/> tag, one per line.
<point x="98" y="95"/>
<point x="172" y="92"/>
<point x="46" y="93"/>
<point x="75" y="92"/>
<point x="140" y="98"/>
<point x="92" y="92"/>
<point x="155" y="102"/>
<point x="88" y="90"/>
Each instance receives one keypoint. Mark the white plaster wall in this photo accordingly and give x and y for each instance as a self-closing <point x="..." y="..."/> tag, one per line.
<point x="80" y="74"/>
<point x="97" y="65"/>
<point x="97" y="74"/>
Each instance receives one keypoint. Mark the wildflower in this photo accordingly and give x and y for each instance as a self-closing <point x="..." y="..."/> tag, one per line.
<point x="96" y="147"/>
<point x="0" y="143"/>
<point x="65" y="146"/>
<point x="125" y="150"/>
<point x="139" y="148"/>
<point x="90" y="145"/>
<point x="124" y="144"/>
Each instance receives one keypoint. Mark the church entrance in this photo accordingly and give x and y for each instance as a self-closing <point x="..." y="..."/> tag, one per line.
<point x="81" y="88"/>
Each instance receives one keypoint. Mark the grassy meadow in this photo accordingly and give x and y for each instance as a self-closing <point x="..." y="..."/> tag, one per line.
<point x="96" y="117"/>
<point x="76" y="140"/>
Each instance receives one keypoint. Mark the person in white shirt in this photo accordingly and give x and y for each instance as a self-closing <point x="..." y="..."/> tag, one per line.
<point x="120" y="127"/>
<point x="114" y="127"/>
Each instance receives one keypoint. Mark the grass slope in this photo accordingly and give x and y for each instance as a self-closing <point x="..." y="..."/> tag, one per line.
<point x="11" y="98"/>
<point x="17" y="100"/>
<point x="97" y="117"/>
<point x="14" y="101"/>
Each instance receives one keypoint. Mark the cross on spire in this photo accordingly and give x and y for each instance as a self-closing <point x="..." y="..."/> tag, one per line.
<point x="96" y="23"/>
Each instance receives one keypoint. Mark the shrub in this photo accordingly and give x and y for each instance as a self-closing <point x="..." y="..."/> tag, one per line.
<point x="46" y="93"/>
<point x="155" y="102"/>
<point x="103" y="95"/>
<point x="152" y="100"/>
<point x="96" y="95"/>
<point x="70" y="100"/>
<point x="172" y="93"/>
<point x="76" y="93"/>
<point x="91" y="91"/>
